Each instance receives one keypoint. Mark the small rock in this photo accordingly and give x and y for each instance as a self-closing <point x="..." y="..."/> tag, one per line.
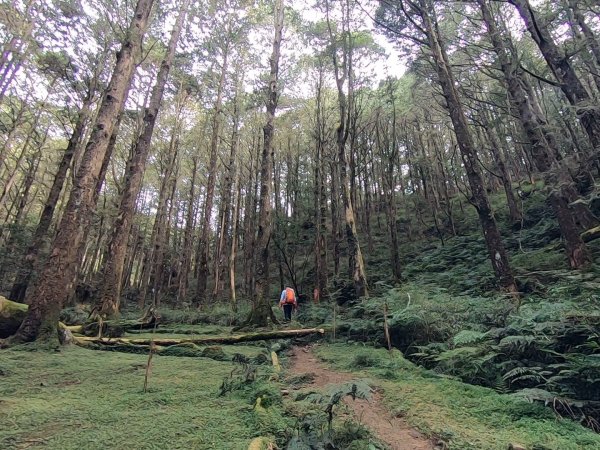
<point x="285" y="392"/>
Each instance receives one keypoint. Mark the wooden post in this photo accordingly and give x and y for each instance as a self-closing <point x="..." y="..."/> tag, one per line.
<point x="334" y="317"/>
<point x="148" y="366"/>
<point x="385" y="327"/>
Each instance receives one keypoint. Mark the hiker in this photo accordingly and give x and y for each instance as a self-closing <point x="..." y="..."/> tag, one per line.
<point x="288" y="302"/>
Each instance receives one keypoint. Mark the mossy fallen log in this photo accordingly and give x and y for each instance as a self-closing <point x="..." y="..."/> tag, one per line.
<point x="11" y="316"/>
<point x="591" y="234"/>
<point x="232" y="339"/>
<point x="186" y="349"/>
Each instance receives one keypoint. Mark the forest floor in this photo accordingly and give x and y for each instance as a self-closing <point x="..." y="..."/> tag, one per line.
<point x="84" y="399"/>
<point x="387" y="428"/>
<point x="81" y="398"/>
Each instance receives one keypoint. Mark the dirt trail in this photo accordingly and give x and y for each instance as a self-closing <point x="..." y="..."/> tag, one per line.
<point x="394" y="431"/>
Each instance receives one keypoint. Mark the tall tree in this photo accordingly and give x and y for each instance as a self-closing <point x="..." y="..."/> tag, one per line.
<point x="110" y="294"/>
<point x="73" y="149"/>
<point x="261" y="307"/>
<point x="421" y="18"/>
<point x="203" y="271"/>
<point x="344" y="80"/>
<point x="320" y="191"/>
<point x="56" y="277"/>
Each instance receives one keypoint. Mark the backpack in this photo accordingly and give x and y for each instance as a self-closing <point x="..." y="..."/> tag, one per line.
<point x="290" y="297"/>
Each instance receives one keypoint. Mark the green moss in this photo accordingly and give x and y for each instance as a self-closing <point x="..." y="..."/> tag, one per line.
<point x="79" y="398"/>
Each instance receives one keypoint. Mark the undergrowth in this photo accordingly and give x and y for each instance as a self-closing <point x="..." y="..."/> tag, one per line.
<point x="449" y="316"/>
<point x="460" y="416"/>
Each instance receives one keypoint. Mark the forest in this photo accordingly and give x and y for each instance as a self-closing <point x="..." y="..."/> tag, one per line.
<point x="422" y="176"/>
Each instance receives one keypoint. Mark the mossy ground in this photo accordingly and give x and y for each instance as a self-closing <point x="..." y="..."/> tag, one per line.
<point x="79" y="398"/>
<point x="466" y="417"/>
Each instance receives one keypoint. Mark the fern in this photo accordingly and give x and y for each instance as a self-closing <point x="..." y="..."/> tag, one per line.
<point x="355" y="388"/>
<point x="467" y="337"/>
<point x="458" y="354"/>
<point x="535" y="394"/>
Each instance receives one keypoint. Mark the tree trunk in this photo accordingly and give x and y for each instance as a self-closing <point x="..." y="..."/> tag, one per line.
<point x="210" y="185"/>
<point x="346" y="111"/>
<point x="320" y="197"/>
<point x="587" y="111"/>
<point x="261" y="308"/>
<point x="112" y="276"/>
<point x="495" y="247"/>
<point x="226" y="340"/>
<point x="186" y="254"/>
<point x="335" y="215"/>
<point x="233" y="250"/>
<point x="226" y="200"/>
<point x="154" y="257"/>
<point x="17" y="292"/>
<point x="390" y="148"/>
<point x="514" y="212"/>
<point x="56" y="278"/>
<point x="12" y="315"/>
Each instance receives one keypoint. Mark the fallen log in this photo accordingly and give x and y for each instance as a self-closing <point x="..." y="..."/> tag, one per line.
<point x="11" y="316"/>
<point x="232" y="339"/>
<point x="591" y="234"/>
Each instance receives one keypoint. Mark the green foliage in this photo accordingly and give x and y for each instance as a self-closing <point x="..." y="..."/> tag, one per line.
<point x="546" y="258"/>
<point x="548" y="344"/>
<point x="318" y="428"/>
<point x="467" y="337"/>
<point x="74" y="315"/>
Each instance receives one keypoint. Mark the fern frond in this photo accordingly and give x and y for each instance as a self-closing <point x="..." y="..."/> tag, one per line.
<point x="467" y="337"/>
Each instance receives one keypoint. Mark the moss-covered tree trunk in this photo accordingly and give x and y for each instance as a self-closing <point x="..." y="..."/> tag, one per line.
<point x="25" y="272"/>
<point x="12" y="315"/>
<point x="57" y="275"/>
<point x="344" y="75"/>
